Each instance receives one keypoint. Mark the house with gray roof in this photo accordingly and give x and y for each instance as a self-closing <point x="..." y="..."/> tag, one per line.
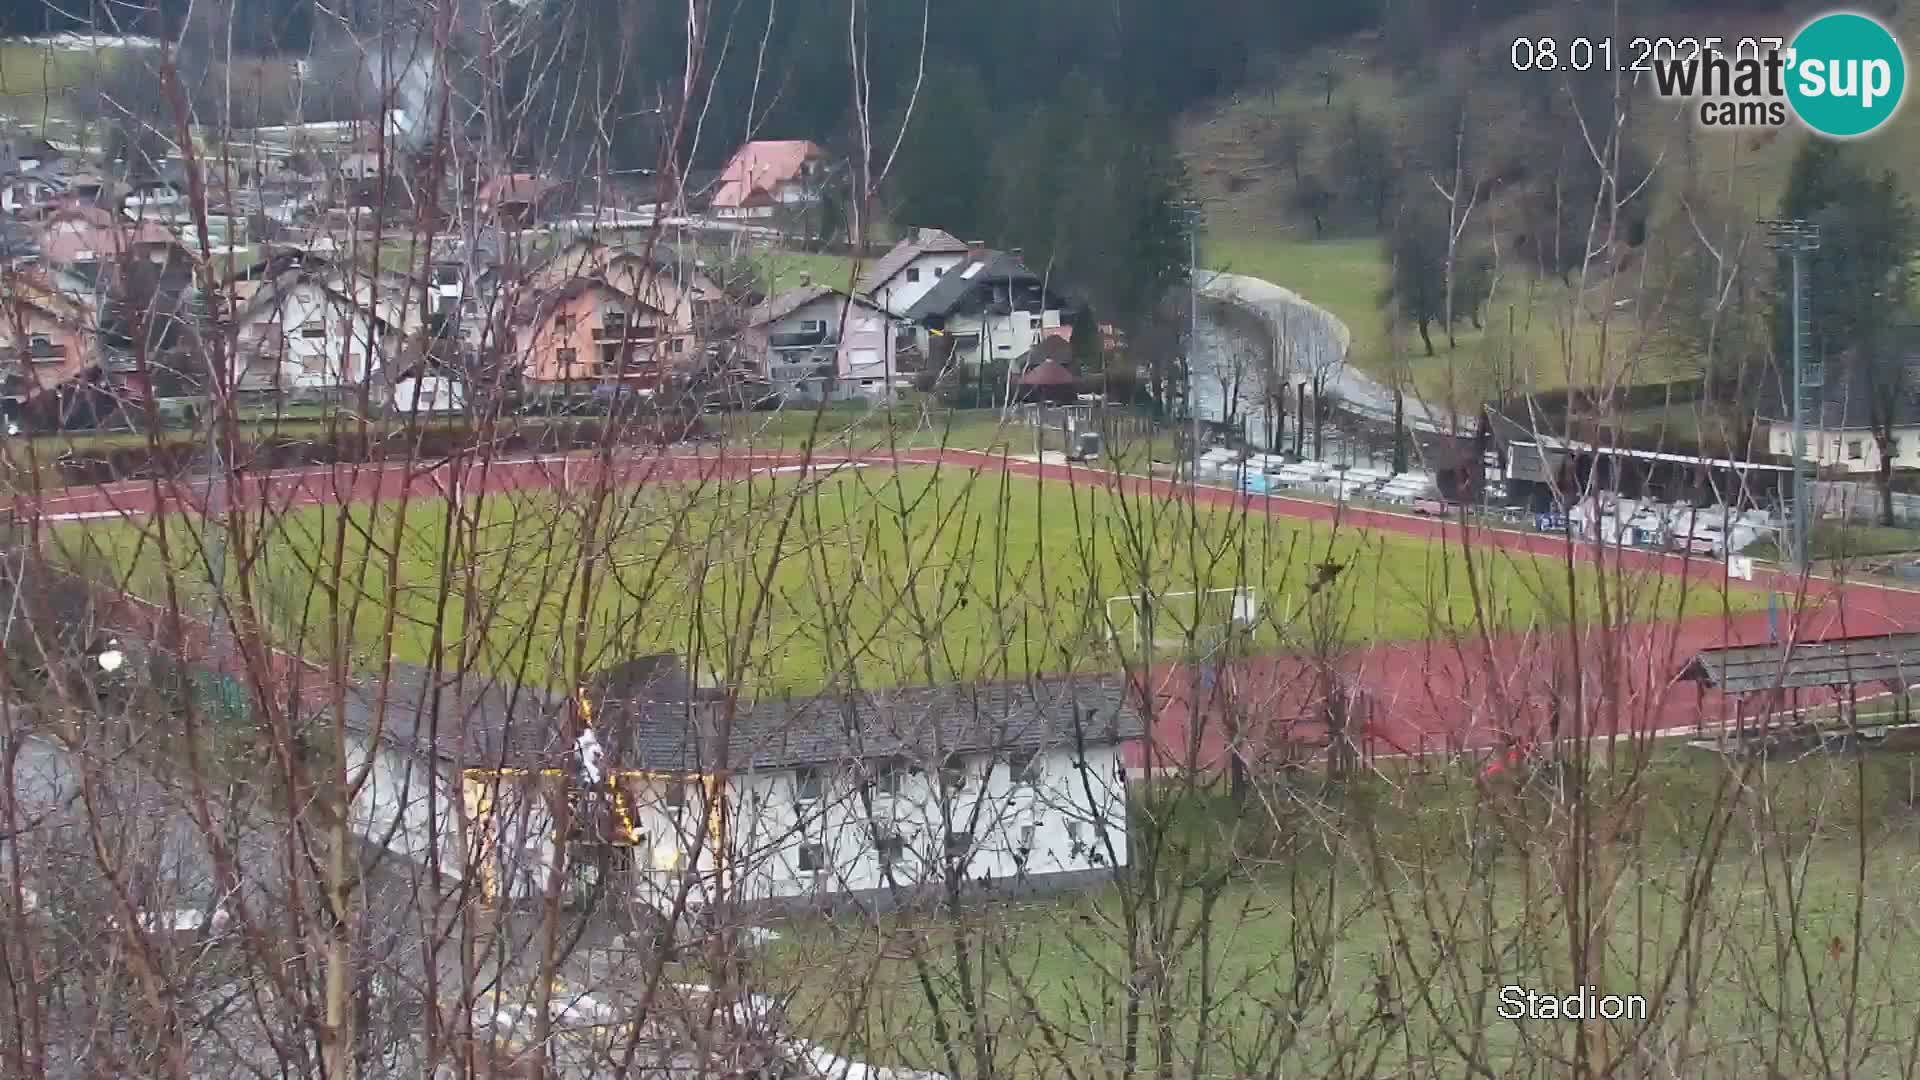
<point x="647" y="777"/>
<point x="989" y="307"/>
<point x="817" y="342"/>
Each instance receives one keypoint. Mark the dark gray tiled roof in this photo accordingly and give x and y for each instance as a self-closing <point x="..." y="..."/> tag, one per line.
<point x="670" y="726"/>
<point x="944" y="297"/>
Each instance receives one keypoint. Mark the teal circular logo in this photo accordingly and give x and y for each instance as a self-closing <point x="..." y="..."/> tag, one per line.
<point x="1845" y="74"/>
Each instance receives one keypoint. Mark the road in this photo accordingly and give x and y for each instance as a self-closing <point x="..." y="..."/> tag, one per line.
<point x="1317" y="341"/>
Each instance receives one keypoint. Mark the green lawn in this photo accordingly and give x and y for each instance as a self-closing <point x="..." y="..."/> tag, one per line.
<point x="1532" y="334"/>
<point x="783" y="269"/>
<point x="907" y="577"/>
<point x="1320" y="925"/>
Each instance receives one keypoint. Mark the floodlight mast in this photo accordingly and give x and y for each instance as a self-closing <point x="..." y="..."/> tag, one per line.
<point x="1799" y="237"/>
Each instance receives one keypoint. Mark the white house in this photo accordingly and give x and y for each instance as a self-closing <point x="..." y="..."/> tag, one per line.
<point x="814" y="341"/>
<point x="320" y="328"/>
<point x="989" y="307"/>
<point x="911" y="268"/>
<point x="880" y="796"/>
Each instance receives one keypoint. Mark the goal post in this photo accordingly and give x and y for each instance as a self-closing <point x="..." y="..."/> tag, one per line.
<point x="1166" y="621"/>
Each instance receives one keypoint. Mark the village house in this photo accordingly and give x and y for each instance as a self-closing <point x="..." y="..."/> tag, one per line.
<point x="586" y="333"/>
<point x="320" y="328"/>
<point x="674" y="286"/>
<point x="27" y="194"/>
<point x="816" y="342"/>
<point x="768" y="175"/>
<point x="1840" y="438"/>
<point x="47" y="334"/>
<point x="519" y="200"/>
<point x="84" y="238"/>
<point x="877" y="796"/>
<point x="989" y="308"/>
<point x="911" y="268"/>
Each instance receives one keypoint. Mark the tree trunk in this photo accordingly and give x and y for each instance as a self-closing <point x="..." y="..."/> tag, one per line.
<point x="1425" y="339"/>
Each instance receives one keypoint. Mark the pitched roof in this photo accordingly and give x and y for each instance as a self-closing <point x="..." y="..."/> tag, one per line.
<point x="953" y="288"/>
<point x="481" y="720"/>
<point x="1048" y="372"/>
<point x="514" y="188"/>
<point x="782" y="304"/>
<point x="540" y="303"/>
<point x="922" y="242"/>
<point x="1862" y="660"/>
<point x="761" y="165"/>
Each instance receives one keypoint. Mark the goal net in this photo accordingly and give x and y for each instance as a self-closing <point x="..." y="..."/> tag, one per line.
<point x="1201" y="620"/>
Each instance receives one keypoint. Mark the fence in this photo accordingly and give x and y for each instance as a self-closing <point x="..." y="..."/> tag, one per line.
<point x="1853" y="500"/>
<point x="1116" y="426"/>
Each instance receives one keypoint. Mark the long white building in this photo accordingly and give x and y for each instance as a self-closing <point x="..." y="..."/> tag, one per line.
<point x="879" y="796"/>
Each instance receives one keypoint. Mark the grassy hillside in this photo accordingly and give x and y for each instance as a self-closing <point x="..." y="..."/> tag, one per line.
<point x="1559" y="334"/>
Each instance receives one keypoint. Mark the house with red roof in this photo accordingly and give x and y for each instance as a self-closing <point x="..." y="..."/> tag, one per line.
<point x="766" y="175"/>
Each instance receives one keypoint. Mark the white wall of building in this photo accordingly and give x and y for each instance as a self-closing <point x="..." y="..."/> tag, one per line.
<point x="1852" y="451"/>
<point x="780" y="847"/>
<point x="901" y="292"/>
<point x="314" y="339"/>
<point x="1052" y="817"/>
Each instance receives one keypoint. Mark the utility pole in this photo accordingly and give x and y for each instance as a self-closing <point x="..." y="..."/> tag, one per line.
<point x="1192" y="213"/>
<point x="1798" y="237"/>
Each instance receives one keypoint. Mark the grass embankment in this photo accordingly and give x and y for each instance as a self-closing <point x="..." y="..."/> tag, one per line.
<point x="900" y="577"/>
<point x="1832" y="541"/>
<point x="1383" y="957"/>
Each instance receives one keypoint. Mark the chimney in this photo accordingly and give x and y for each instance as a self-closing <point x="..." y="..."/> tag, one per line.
<point x="976" y="250"/>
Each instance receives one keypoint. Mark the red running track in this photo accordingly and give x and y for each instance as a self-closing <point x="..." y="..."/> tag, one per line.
<point x="1444" y="694"/>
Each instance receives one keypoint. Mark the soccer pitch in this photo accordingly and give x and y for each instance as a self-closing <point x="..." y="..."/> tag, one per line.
<point x="788" y="583"/>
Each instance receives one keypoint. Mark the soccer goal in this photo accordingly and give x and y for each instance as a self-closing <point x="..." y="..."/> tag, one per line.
<point x="1168" y="621"/>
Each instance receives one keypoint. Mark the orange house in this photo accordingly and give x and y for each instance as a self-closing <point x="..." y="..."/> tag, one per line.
<point x="45" y="337"/>
<point x="588" y="333"/>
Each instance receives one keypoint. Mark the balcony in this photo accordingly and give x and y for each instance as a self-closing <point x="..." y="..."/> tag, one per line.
<point x="803" y="339"/>
<point x="621" y="332"/>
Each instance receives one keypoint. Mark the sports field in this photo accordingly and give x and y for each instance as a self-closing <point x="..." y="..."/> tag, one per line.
<point x="914" y="576"/>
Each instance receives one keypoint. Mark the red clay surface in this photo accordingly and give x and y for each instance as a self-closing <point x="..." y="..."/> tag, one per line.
<point x="1467" y="693"/>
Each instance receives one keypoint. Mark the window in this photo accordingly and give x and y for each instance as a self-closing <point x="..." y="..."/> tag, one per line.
<point x="889" y="845"/>
<point x="563" y="324"/>
<point x="939" y="271"/>
<point x="676" y="796"/>
<point x="813" y="326"/>
<point x="313" y="328"/>
<point x="913" y="274"/>
<point x="1024" y="849"/>
<point x="1023" y="767"/>
<point x="953" y="773"/>
<point x="39" y="341"/>
<point x="958" y="843"/>
<point x="567" y="358"/>
<point x="806" y="785"/>
<point x="812" y="859"/>
<point x="615" y="322"/>
<point x="886" y="777"/>
<point x="679" y="345"/>
<point x="1033" y="322"/>
<point x="1855" y="450"/>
